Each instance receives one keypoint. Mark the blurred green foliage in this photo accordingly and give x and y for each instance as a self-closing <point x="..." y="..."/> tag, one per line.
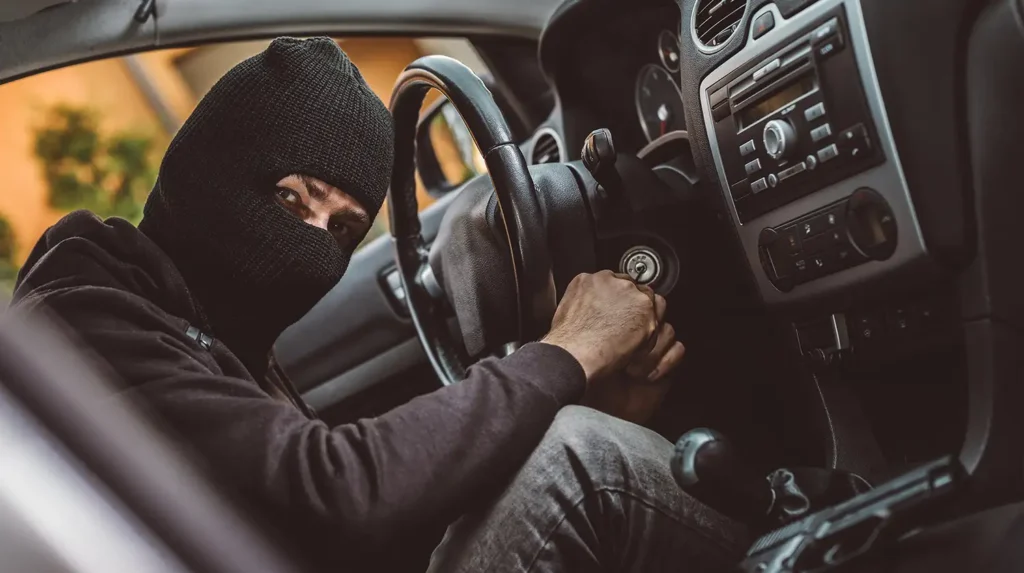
<point x="8" y="268"/>
<point x="110" y="176"/>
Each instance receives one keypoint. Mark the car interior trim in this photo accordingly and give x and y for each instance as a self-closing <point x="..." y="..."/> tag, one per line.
<point x="37" y="469"/>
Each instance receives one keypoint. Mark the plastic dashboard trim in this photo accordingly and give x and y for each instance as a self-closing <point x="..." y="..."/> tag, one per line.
<point x="887" y="178"/>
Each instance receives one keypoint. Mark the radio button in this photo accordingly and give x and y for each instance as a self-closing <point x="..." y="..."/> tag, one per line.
<point x="759" y="185"/>
<point x="779" y="138"/>
<point x="747" y="148"/>
<point x="827" y="153"/>
<point x="831" y="47"/>
<point x="811" y="162"/>
<point x="753" y="167"/>
<point x="772" y="180"/>
<point x="825" y="30"/>
<point x="791" y="171"/>
<point x="789" y="240"/>
<point x="819" y="133"/>
<point x="767" y="69"/>
<point x="814" y="112"/>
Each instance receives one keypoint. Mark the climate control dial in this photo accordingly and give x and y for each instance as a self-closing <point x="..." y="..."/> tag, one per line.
<point x="779" y="138"/>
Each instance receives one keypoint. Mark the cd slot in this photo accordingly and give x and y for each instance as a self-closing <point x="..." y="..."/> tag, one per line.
<point x="741" y="100"/>
<point x="745" y="88"/>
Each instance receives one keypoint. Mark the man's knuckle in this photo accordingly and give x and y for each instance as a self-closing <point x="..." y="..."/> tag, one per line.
<point x="652" y="327"/>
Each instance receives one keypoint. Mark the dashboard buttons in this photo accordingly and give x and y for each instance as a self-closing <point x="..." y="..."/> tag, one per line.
<point x="814" y="112"/>
<point x="854" y="142"/>
<point x="772" y="180"/>
<point x="819" y="224"/>
<point x="825" y="31"/>
<point x="831" y="47"/>
<point x="766" y="69"/>
<point x="779" y="138"/>
<point x="763" y="24"/>
<point x="791" y="171"/>
<point x="759" y="185"/>
<point x="813" y="246"/>
<point x="789" y="241"/>
<point x="753" y="167"/>
<point x="821" y="132"/>
<point x="828" y="153"/>
<point x="823" y="242"/>
<point x="747" y="148"/>
<point x="811" y="162"/>
<point x="868" y="326"/>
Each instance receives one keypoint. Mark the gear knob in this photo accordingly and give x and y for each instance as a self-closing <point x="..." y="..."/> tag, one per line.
<point x="599" y="158"/>
<point x="707" y="466"/>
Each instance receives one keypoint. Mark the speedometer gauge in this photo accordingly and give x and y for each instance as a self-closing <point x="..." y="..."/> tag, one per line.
<point x="658" y="102"/>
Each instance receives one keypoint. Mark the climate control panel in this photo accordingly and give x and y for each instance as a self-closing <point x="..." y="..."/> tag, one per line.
<point x="842" y="235"/>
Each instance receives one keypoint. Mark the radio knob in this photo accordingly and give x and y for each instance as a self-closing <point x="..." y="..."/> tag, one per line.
<point x="779" y="138"/>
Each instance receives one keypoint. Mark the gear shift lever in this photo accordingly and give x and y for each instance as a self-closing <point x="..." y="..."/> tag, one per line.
<point x="706" y="465"/>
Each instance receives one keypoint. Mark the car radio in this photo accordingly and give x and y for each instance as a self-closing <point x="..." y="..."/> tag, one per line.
<point x="793" y="122"/>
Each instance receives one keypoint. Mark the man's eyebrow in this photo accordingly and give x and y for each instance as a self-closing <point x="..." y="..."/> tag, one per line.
<point x="314" y="188"/>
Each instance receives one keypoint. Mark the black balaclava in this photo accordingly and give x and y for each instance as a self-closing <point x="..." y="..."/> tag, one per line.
<point x="252" y="267"/>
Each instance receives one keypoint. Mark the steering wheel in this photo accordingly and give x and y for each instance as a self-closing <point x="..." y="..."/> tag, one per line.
<point x="516" y="229"/>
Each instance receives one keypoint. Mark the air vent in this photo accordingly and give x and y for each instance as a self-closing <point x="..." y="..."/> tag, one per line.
<point x="547" y="148"/>
<point x="715" y="21"/>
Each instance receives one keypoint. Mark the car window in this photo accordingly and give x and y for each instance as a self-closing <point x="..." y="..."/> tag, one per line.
<point x="91" y="135"/>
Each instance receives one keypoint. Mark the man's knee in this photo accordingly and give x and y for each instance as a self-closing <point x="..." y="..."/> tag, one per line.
<point x="611" y="452"/>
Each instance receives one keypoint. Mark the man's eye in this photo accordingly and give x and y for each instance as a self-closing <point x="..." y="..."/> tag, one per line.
<point x="288" y="196"/>
<point x="338" y="229"/>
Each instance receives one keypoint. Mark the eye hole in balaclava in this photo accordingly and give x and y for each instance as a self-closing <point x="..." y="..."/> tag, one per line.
<point x="252" y="267"/>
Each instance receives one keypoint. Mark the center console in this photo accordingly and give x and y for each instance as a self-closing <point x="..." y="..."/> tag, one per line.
<point x="809" y="170"/>
<point x="805" y="156"/>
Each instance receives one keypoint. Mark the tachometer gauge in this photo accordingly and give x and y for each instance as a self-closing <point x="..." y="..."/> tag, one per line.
<point x="668" y="50"/>
<point x="658" y="102"/>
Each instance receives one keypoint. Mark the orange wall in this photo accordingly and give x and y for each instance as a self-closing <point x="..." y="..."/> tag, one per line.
<point x="104" y="86"/>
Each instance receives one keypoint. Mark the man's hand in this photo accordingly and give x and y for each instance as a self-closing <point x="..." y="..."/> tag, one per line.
<point x="608" y="323"/>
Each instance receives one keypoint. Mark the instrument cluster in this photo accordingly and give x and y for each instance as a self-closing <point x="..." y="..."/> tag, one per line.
<point x="659" y="104"/>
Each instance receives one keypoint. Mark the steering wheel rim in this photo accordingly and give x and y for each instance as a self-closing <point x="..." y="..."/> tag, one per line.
<point x="514" y="189"/>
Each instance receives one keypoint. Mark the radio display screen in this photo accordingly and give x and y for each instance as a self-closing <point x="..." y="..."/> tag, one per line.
<point x="776" y="100"/>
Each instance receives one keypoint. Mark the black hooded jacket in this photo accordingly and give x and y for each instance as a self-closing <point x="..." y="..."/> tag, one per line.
<point x="185" y="308"/>
<point x="336" y="493"/>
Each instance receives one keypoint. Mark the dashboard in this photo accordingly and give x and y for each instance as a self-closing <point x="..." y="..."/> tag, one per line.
<point x="853" y="160"/>
<point x="791" y="134"/>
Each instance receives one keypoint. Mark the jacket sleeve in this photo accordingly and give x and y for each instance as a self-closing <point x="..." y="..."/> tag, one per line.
<point x="420" y="465"/>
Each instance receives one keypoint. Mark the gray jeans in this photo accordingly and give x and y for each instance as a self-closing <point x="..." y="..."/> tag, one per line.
<point x="596" y="495"/>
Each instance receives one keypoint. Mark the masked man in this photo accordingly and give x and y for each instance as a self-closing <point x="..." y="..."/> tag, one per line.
<point x="261" y="198"/>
